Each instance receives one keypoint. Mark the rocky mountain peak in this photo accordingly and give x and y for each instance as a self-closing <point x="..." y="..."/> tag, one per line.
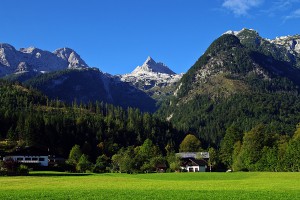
<point x="8" y="55"/>
<point x="5" y="46"/>
<point x="243" y="31"/>
<point x="154" y="78"/>
<point x="37" y="60"/>
<point x="151" y="66"/>
<point x="149" y="61"/>
<point x="29" y="50"/>
<point x="291" y="43"/>
<point x="71" y="56"/>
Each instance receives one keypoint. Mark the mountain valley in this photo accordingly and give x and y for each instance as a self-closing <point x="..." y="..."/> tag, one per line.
<point x="240" y="102"/>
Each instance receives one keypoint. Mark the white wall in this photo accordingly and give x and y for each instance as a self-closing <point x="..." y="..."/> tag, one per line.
<point x="42" y="160"/>
<point x="194" y="168"/>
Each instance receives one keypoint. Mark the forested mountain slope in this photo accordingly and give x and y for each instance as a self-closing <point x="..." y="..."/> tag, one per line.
<point x="91" y="85"/>
<point x="241" y="79"/>
<point x="31" y="119"/>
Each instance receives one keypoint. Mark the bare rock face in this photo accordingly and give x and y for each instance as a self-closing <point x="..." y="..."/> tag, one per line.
<point x="23" y="67"/>
<point x="151" y="66"/>
<point x="154" y="78"/>
<point x="9" y="56"/>
<point x="284" y="48"/>
<point x="37" y="60"/>
<point x="71" y="57"/>
<point x="291" y="43"/>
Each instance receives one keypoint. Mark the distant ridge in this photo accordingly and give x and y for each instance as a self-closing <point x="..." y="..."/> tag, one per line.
<point x="36" y="60"/>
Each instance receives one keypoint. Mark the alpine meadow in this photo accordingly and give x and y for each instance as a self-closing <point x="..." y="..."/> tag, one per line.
<point x="253" y="185"/>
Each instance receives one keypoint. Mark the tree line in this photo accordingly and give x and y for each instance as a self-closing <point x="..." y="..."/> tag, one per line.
<point x="128" y="140"/>
<point x="31" y="119"/>
<point x="260" y="149"/>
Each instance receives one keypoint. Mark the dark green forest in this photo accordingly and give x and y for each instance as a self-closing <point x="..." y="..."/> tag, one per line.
<point x="240" y="101"/>
<point x="132" y="141"/>
<point x="243" y="83"/>
<point x="246" y="89"/>
<point x="32" y="119"/>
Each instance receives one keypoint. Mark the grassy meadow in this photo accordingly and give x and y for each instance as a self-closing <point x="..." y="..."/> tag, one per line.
<point x="56" y="185"/>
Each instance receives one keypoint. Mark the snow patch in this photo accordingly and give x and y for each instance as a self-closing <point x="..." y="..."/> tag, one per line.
<point x="151" y="74"/>
<point x="170" y="117"/>
<point x="230" y="32"/>
<point x="176" y="91"/>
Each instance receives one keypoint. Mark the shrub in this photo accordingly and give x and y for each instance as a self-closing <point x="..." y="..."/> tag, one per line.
<point x="22" y="170"/>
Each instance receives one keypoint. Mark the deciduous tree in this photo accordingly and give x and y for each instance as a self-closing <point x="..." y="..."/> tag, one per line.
<point x="75" y="155"/>
<point x="190" y="144"/>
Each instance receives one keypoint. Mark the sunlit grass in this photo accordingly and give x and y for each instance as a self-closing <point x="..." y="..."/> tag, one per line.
<point x="152" y="186"/>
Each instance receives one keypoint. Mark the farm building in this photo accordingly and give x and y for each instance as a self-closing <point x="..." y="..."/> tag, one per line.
<point x="193" y="161"/>
<point x="29" y="155"/>
<point x="161" y="167"/>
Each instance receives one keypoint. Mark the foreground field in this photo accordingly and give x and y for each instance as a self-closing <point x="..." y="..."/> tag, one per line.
<point x="54" y="185"/>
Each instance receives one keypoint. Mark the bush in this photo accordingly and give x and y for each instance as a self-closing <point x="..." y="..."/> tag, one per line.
<point x="83" y="164"/>
<point x="12" y="168"/>
<point x="22" y="170"/>
<point x="101" y="165"/>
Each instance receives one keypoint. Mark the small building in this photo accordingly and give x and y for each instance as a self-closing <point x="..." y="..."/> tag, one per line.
<point x="194" y="161"/>
<point x="194" y="165"/>
<point x="161" y="167"/>
<point x="29" y="155"/>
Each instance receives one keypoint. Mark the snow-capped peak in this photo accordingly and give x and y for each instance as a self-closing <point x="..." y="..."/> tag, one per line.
<point x="29" y="50"/>
<point x="230" y="32"/>
<point x="151" y="66"/>
<point x="291" y="43"/>
<point x="151" y="77"/>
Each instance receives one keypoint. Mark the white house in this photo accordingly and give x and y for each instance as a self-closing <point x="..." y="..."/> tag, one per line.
<point x="194" y="161"/>
<point x="29" y="155"/>
<point x="193" y="165"/>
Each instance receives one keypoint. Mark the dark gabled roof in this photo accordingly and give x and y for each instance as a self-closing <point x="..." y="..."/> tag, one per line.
<point x="161" y="165"/>
<point x="200" y="162"/>
<point x="194" y="155"/>
<point x="194" y="162"/>
<point x="29" y="151"/>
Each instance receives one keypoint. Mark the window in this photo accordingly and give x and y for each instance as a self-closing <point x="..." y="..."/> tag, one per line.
<point x="27" y="159"/>
<point x="191" y="170"/>
<point x="19" y="159"/>
<point x="196" y="169"/>
<point x="41" y="159"/>
<point x="35" y="159"/>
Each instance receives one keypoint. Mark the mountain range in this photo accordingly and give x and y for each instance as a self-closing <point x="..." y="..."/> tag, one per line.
<point x="241" y="99"/>
<point x="239" y="72"/>
<point x="36" y="60"/>
<point x="63" y="75"/>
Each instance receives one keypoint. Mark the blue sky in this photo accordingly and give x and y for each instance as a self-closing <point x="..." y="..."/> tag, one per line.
<point x="118" y="35"/>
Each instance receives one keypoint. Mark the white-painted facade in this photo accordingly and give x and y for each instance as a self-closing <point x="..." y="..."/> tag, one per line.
<point x="41" y="160"/>
<point x="194" y="168"/>
<point x="194" y="161"/>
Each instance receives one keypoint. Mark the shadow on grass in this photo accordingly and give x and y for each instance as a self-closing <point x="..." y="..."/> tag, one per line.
<point x="53" y="174"/>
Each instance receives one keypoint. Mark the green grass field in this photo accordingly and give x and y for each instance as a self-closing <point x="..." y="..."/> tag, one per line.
<point x="55" y="185"/>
